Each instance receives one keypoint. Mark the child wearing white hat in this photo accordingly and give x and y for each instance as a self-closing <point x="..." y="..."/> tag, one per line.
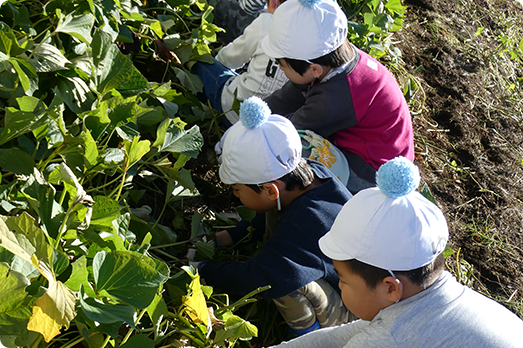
<point x="222" y="83"/>
<point x="387" y="245"/>
<point x="261" y="159"/>
<point x="337" y="90"/>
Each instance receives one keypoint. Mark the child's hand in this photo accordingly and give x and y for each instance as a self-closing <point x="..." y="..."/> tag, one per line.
<point x="224" y="238"/>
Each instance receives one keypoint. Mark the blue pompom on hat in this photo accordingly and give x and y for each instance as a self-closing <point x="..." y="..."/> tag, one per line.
<point x="398" y="177"/>
<point x="254" y="112"/>
<point x="310" y="3"/>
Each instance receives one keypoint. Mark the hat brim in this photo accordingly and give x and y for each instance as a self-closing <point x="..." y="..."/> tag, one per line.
<point x="329" y="247"/>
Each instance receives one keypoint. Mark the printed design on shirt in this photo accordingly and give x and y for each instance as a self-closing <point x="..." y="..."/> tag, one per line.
<point x="273" y="79"/>
<point x="323" y="151"/>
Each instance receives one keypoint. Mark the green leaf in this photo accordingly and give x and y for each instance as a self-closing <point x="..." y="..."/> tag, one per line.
<point x="114" y="156"/>
<point x="90" y="148"/>
<point x="78" y="26"/>
<point x="60" y="262"/>
<point x="29" y="236"/>
<point x="78" y="275"/>
<point x="22" y="76"/>
<point x="76" y="192"/>
<point x="100" y="46"/>
<point x="106" y="313"/>
<point x="136" y="149"/>
<point x="245" y="213"/>
<point x="187" y="142"/>
<point x="117" y="70"/>
<point x="136" y="82"/>
<point x="105" y="210"/>
<point x="13" y="311"/>
<point x="128" y="276"/>
<point x="197" y="227"/>
<point x="75" y="93"/>
<point x="170" y="107"/>
<point x="157" y="310"/>
<point x="127" y="133"/>
<point x="182" y="184"/>
<point x="139" y="341"/>
<point x="47" y="58"/>
<point x="16" y="161"/>
<point x="190" y="81"/>
<point x="242" y="329"/>
<point x="425" y="191"/>
<point x="5" y="43"/>
<point x="395" y="7"/>
<point x="156" y="27"/>
<point x="125" y="34"/>
<point x="204" y="250"/>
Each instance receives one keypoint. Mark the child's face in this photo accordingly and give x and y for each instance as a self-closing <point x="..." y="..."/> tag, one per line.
<point x="251" y="199"/>
<point x="361" y="300"/>
<point x="294" y="76"/>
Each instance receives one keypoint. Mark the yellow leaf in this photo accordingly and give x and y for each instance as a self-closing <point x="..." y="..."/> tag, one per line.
<point x="52" y="311"/>
<point x="196" y="303"/>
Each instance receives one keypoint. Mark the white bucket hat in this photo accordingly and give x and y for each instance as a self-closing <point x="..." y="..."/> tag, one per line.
<point x="305" y="29"/>
<point x="260" y="148"/>
<point x="391" y="226"/>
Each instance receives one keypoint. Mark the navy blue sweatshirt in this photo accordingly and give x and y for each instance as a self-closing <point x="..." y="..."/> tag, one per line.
<point x="291" y="257"/>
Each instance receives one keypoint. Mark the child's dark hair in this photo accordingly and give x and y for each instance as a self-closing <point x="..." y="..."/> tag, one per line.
<point x="334" y="59"/>
<point x="422" y="276"/>
<point x="301" y="177"/>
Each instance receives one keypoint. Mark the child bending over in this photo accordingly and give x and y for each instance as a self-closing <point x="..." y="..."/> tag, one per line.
<point x="337" y="90"/>
<point x="261" y="159"/>
<point x="387" y="245"/>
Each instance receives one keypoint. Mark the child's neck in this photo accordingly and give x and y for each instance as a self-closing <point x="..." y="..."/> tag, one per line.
<point x="287" y="197"/>
<point x="326" y="70"/>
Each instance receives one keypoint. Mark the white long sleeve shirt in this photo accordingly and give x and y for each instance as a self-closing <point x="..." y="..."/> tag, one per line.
<point x="447" y="314"/>
<point x="263" y="76"/>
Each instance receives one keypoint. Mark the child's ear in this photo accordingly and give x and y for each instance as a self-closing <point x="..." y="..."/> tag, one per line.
<point x="272" y="190"/>
<point x="316" y="70"/>
<point x="394" y="288"/>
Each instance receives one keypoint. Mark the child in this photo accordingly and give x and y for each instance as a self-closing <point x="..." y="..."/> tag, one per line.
<point x="337" y="90"/>
<point x="262" y="77"/>
<point x="387" y="245"/>
<point x="261" y="159"/>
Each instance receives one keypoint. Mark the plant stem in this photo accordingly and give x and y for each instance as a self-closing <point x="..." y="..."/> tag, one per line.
<point x="104" y="185"/>
<point x="36" y="343"/>
<point x="107" y="339"/>
<point x="72" y="344"/>
<point x="131" y="329"/>
<point x="159" y="216"/>
<point x="122" y="183"/>
<point x="63" y="227"/>
<point x="170" y="244"/>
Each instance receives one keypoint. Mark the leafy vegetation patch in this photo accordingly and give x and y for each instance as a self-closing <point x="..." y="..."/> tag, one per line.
<point x="108" y="174"/>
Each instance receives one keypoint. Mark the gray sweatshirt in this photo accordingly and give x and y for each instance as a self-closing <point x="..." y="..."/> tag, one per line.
<point x="447" y="314"/>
